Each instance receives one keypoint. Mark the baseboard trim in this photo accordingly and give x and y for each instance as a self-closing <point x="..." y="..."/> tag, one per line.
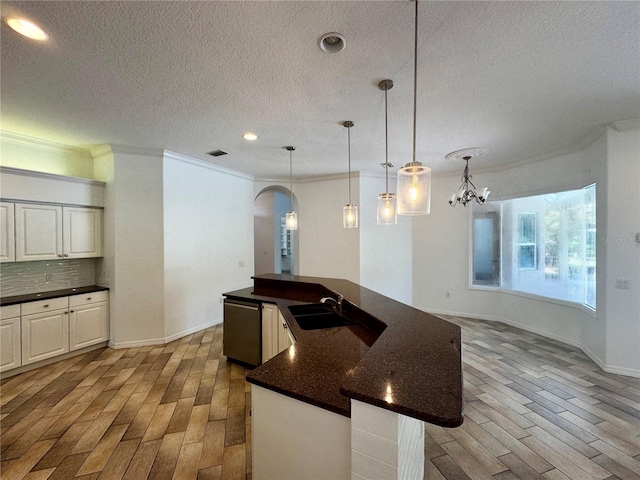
<point x="629" y="372"/>
<point x="165" y="340"/>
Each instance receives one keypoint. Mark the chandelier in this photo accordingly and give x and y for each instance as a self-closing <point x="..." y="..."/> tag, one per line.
<point x="467" y="191"/>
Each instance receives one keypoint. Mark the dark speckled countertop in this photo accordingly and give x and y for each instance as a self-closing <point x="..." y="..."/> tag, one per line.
<point x="32" y="297"/>
<point x="396" y="357"/>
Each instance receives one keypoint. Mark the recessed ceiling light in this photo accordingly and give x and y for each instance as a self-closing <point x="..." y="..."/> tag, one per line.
<point x="250" y="136"/>
<point x="332" y="42"/>
<point x="27" y="28"/>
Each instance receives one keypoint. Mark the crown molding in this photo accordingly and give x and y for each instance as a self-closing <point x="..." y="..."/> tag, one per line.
<point x="625" y="125"/>
<point x="208" y="165"/>
<point x="24" y="140"/>
<point x="49" y="176"/>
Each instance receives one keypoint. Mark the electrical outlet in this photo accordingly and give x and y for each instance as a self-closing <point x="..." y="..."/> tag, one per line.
<point x="447" y="294"/>
<point x="48" y="276"/>
<point x="622" y="283"/>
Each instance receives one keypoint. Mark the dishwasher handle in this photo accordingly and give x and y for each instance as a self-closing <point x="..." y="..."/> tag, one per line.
<point x="240" y="304"/>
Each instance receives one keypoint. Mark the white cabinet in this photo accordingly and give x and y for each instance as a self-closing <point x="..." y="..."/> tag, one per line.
<point x="88" y="320"/>
<point x="82" y="232"/>
<point x="34" y="331"/>
<point x="7" y="233"/>
<point x="276" y="335"/>
<point x="45" y="334"/>
<point x="46" y="232"/>
<point x="10" y="350"/>
<point x="38" y="232"/>
<point x="285" y="339"/>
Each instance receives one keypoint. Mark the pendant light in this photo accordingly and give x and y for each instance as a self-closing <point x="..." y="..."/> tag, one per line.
<point x="349" y="211"/>
<point x="292" y="216"/>
<point x="386" y="210"/>
<point x="414" y="179"/>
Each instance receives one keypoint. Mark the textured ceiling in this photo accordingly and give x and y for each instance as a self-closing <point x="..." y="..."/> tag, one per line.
<point x="522" y="79"/>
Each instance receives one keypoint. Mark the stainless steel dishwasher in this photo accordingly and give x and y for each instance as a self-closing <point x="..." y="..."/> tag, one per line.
<point x="242" y="332"/>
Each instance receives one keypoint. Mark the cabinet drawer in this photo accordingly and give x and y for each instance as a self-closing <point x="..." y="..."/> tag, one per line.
<point x="45" y="305"/>
<point x="10" y="311"/>
<point x="87" y="298"/>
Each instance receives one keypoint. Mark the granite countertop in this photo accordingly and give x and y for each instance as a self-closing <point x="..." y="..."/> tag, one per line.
<point x="32" y="297"/>
<point x="396" y="357"/>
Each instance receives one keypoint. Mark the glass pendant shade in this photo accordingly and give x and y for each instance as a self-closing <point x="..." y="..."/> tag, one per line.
<point x="414" y="189"/>
<point x="350" y="216"/>
<point x="292" y="221"/>
<point x="387" y="211"/>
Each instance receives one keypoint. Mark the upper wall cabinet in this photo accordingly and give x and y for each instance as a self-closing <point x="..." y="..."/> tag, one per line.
<point x="82" y="232"/>
<point x="47" y="232"/>
<point x="7" y="243"/>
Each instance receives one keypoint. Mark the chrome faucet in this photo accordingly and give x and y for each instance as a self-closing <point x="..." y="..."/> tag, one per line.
<point x="337" y="303"/>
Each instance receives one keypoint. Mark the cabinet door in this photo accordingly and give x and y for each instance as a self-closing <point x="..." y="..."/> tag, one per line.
<point x="284" y="338"/>
<point x="82" y="232"/>
<point x="44" y="335"/>
<point x="269" y="331"/>
<point x="10" y="355"/>
<point x="38" y="232"/>
<point x="7" y="236"/>
<point x="88" y="325"/>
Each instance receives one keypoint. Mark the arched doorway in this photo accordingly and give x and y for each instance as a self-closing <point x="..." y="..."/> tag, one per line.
<point x="274" y="246"/>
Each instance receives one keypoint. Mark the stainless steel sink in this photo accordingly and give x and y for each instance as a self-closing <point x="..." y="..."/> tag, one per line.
<point x="314" y="316"/>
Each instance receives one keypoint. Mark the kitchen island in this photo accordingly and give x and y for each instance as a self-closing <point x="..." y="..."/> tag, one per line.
<point x="394" y="364"/>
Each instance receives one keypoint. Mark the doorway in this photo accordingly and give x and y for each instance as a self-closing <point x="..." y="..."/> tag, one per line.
<point x="274" y="245"/>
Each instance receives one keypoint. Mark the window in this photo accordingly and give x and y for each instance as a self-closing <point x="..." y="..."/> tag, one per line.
<point x="544" y="245"/>
<point x="527" y="241"/>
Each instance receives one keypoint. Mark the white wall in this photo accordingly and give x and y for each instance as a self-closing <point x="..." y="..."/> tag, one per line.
<point x="622" y="309"/>
<point x="441" y="252"/>
<point x="386" y="264"/>
<point x="208" y="234"/>
<point x="133" y="263"/>
<point x="327" y="249"/>
<point x="263" y="231"/>
<point x="322" y="247"/>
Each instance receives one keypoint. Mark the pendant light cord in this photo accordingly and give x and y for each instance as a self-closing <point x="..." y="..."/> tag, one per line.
<point x="386" y="144"/>
<point x="290" y="181"/>
<point x="349" y="150"/>
<point x="415" y="80"/>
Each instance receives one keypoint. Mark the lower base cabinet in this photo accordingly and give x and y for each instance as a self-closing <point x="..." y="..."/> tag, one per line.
<point x="44" y="335"/>
<point x="276" y="335"/>
<point x="88" y="321"/>
<point x="35" y="331"/>
<point x="10" y="352"/>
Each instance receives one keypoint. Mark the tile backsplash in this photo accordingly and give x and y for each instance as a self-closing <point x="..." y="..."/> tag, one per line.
<point x="21" y="278"/>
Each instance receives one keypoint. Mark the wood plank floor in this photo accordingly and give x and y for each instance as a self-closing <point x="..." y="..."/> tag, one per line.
<point x="534" y="409"/>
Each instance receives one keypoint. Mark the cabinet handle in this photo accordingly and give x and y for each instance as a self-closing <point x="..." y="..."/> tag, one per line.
<point x="66" y="313"/>
<point x="72" y="311"/>
<point x="88" y="298"/>
<point x="60" y="255"/>
<point x="45" y="306"/>
<point x="66" y="254"/>
<point x="284" y="325"/>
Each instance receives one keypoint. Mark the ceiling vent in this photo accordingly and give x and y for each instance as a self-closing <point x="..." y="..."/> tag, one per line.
<point x="216" y="153"/>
